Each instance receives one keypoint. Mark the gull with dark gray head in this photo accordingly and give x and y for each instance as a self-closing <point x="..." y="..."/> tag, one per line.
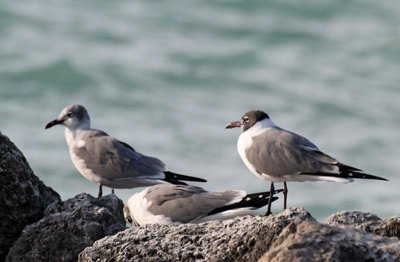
<point x="166" y="204"/>
<point x="278" y="155"/>
<point x="107" y="161"/>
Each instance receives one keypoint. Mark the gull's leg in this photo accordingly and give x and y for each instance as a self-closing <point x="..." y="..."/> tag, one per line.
<point x="271" y="194"/>
<point x="285" y="191"/>
<point x="112" y="191"/>
<point x="100" y="191"/>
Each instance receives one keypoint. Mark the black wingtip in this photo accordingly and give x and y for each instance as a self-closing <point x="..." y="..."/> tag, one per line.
<point x="347" y="175"/>
<point x="366" y="176"/>
<point x="177" y="179"/>
<point x="262" y="195"/>
<point x="255" y="200"/>
<point x="274" y="198"/>
<point x="353" y="172"/>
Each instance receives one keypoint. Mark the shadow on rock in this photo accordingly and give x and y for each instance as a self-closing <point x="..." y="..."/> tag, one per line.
<point x="24" y="198"/>
<point x="64" y="233"/>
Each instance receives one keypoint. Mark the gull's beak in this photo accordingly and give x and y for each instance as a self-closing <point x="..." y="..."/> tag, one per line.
<point x="53" y="123"/>
<point x="233" y="124"/>
<point x="129" y="219"/>
<point x="127" y="214"/>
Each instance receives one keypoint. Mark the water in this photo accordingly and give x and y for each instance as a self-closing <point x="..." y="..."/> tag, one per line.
<point x="167" y="76"/>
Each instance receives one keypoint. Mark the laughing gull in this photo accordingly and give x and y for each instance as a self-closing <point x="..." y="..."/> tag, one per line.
<point x="166" y="204"/>
<point x="278" y="155"/>
<point x="107" y="161"/>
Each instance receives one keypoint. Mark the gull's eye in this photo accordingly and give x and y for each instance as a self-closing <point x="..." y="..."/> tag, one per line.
<point x="129" y="219"/>
<point x="70" y="114"/>
<point x="245" y="119"/>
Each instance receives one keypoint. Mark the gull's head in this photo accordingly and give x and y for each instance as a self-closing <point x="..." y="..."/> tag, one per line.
<point x="72" y="117"/>
<point x="249" y="119"/>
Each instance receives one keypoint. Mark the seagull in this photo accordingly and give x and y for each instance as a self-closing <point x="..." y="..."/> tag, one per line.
<point x="167" y="204"/>
<point x="107" y="161"/>
<point x="277" y="155"/>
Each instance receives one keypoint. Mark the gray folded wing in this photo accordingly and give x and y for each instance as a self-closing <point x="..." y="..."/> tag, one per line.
<point x="279" y="153"/>
<point x="187" y="203"/>
<point x="110" y="159"/>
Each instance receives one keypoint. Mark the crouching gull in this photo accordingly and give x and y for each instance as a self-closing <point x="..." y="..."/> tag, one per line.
<point x="166" y="204"/>
<point x="107" y="161"/>
<point x="278" y="155"/>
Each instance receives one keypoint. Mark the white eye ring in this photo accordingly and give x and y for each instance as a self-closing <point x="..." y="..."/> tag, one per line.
<point x="245" y="119"/>
<point x="70" y="114"/>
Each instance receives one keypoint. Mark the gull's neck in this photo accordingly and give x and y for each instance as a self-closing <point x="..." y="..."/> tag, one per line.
<point x="72" y="134"/>
<point x="260" y="126"/>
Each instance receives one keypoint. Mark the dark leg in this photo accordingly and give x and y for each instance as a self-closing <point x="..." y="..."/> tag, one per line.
<point x="112" y="191"/>
<point x="271" y="194"/>
<point x="100" y="191"/>
<point x="285" y="191"/>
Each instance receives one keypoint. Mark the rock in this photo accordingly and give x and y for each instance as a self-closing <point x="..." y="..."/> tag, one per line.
<point x="24" y="197"/>
<point x="39" y="227"/>
<point x="389" y="227"/>
<point x="292" y="235"/>
<point x="239" y="239"/>
<point x="312" y="241"/>
<point x="60" y="236"/>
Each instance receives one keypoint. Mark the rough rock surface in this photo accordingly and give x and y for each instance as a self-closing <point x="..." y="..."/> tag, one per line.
<point x="240" y="239"/>
<point x="68" y="229"/>
<point x="312" y="241"/>
<point x="292" y="235"/>
<point x="24" y="197"/>
<point x="50" y="230"/>
<point x="389" y="227"/>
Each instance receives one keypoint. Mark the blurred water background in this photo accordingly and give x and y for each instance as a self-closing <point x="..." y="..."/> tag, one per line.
<point x="167" y="76"/>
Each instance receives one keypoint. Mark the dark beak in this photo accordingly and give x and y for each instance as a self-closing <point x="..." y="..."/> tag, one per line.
<point x="53" y="123"/>
<point x="233" y="124"/>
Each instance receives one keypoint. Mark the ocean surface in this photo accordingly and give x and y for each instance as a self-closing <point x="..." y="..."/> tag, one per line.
<point x="167" y="76"/>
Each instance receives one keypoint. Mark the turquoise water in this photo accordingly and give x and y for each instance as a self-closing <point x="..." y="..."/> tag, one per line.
<point x="166" y="77"/>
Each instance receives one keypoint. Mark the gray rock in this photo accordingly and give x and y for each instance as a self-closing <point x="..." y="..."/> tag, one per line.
<point x="239" y="239"/>
<point x="64" y="233"/>
<point x="59" y="231"/>
<point x="389" y="227"/>
<point x="312" y="241"/>
<point x="24" y="197"/>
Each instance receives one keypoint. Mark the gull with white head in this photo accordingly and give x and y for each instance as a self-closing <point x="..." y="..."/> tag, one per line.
<point x="107" y="161"/>
<point x="277" y="155"/>
<point x="167" y="204"/>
